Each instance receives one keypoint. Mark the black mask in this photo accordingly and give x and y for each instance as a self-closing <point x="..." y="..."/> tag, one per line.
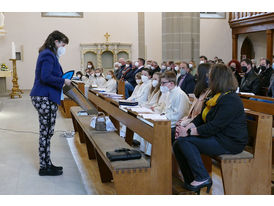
<point x="263" y="68"/>
<point x="233" y="69"/>
<point x="244" y="69"/>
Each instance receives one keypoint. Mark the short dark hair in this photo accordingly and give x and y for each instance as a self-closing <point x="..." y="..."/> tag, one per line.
<point x="203" y="57"/>
<point x="221" y="79"/>
<point x="266" y="61"/>
<point x="149" y="71"/>
<point x="142" y="60"/>
<point x="247" y="61"/>
<point x="50" y="41"/>
<point x="170" y="76"/>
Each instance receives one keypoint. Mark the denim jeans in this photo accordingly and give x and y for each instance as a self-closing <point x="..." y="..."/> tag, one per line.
<point x="128" y="89"/>
<point x="188" y="152"/>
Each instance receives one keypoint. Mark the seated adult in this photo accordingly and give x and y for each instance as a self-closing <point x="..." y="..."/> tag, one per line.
<point x="155" y="67"/>
<point x="219" y="129"/>
<point x="236" y="69"/>
<point x="116" y="69"/>
<point x="186" y="81"/>
<point x="250" y="82"/>
<point x="122" y="67"/>
<point x="265" y="72"/>
<point x="111" y="83"/>
<point x="130" y="78"/>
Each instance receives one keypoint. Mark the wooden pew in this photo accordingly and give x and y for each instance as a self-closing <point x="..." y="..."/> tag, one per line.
<point x="67" y="103"/>
<point x="133" y="176"/>
<point x="121" y="88"/>
<point x="258" y="106"/>
<point x="250" y="171"/>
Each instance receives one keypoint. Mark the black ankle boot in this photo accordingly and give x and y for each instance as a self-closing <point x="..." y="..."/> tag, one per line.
<point x="55" y="167"/>
<point x="50" y="172"/>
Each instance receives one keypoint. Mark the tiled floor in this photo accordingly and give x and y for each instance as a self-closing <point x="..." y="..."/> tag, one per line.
<point x="19" y="161"/>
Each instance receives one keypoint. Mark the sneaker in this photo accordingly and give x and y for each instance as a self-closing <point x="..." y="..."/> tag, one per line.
<point x="50" y="172"/>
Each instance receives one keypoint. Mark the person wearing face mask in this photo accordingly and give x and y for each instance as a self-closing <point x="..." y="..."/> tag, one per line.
<point x="155" y="67"/>
<point x="116" y="69"/>
<point x="163" y="67"/>
<point x="135" y="92"/>
<point x="122" y="67"/>
<point x="235" y="66"/>
<point x="142" y="95"/>
<point x="250" y="82"/>
<point x="90" y="65"/>
<point x="46" y="95"/>
<point x="264" y="75"/>
<point x="79" y="76"/>
<point x="177" y="103"/>
<point x="111" y="84"/>
<point x="203" y="59"/>
<point x="186" y="81"/>
<point x="99" y="79"/>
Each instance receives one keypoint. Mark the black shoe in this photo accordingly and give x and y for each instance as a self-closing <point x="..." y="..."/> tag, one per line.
<point x="135" y="143"/>
<point x="207" y="183"/>
<point x="50" y="172"/>
<point x="55" y="167"/>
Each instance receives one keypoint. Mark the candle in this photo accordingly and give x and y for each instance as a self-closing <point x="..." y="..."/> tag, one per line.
<point x="13" y="54"/>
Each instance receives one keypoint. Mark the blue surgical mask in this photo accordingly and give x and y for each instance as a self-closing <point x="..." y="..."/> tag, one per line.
<point x="183" y="71"/>
<point x="273" y="65"/>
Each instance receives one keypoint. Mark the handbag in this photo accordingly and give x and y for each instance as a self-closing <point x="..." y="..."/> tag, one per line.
<point x="123" y="154"/>
<point x="100" y="124"/>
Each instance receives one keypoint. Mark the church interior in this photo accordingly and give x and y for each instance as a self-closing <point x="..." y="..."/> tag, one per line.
<point x="166" y="40"/>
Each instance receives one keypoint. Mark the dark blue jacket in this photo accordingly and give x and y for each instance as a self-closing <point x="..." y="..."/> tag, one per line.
<point x="188" y="84"/>
<point x="226" y="121"/>
<point x="48" y="77"/>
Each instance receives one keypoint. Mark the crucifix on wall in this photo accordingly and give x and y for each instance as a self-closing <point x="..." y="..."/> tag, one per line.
<point x="107" y="35"/>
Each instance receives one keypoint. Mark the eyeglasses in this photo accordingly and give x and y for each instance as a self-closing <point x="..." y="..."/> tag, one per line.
<point x="162" y="83"/>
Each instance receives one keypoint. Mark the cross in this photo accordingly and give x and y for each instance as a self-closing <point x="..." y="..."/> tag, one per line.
<point x="107" y="36"/>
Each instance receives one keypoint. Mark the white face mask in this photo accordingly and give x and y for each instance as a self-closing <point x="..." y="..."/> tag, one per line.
<point x="190" y="65"/>
<point x="163" y="67"/>
<point x="136" y="64"/>
<point x="92" y="75"/>
<point x="144" y="78"/>
<point x="138" y="81"/>
<point x="164" y="89"/>
<point x="127" y="65"/>
<point x="148" y="66"/>
<point x="201" y="62"/>
<point x="89" y="66"/>
<point x="176" y="68"/>
<point x="168" y="68"/>
<point x="108" y="76"/>
<point x="152" y="68"/>
<point x="155" y="83"/>
<point x="61" y="51"/>
<point x="97" y="74"/>
<point x="120" y="64"/>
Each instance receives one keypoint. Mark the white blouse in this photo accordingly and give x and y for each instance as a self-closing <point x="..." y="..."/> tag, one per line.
<point x="177" y="105"/>
<point x="140" y="93"/>
<point x="110" y="86"/>
<point x="100" y="81"/>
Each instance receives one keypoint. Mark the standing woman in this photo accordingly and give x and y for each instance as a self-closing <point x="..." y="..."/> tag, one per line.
<point x="46" y="94"/>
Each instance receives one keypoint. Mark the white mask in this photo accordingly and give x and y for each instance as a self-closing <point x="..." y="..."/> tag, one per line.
<point x="127" y="65"/>
<point x="155" y="83"/>
<point x="148" y="66"/>
<point x="92" y="75"/>
<point x="176" y="68"/>
<point x="163" y="67"/>
<point x="164" y="89"/>
<point x="136" y="64"/>
<point x="201" y="62"/>
<point x="168" y="68"/>
<point x="138" y="81"/>
<point x="152" y="68"/>
<point x="144" y="78"/>
<point x="108" y="76"/>
<point x="97" y="74"/>
<point x="120" y="64"/>
<point x="115" y="68"/>
<point x="190" y="65"/>
<point x="89" y="66"/>
<point x="61" y="51"/>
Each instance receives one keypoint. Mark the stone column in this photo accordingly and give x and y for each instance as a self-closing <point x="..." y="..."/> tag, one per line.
<point x="141" y="35"/>
<point x="181" y="36"/>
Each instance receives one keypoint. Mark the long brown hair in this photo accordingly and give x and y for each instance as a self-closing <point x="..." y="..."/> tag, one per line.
<point x="221" y="79"/>
<point x="50" y="41"/>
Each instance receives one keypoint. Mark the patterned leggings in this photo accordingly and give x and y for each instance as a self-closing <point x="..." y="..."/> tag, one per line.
<point x="47" y="115"/>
